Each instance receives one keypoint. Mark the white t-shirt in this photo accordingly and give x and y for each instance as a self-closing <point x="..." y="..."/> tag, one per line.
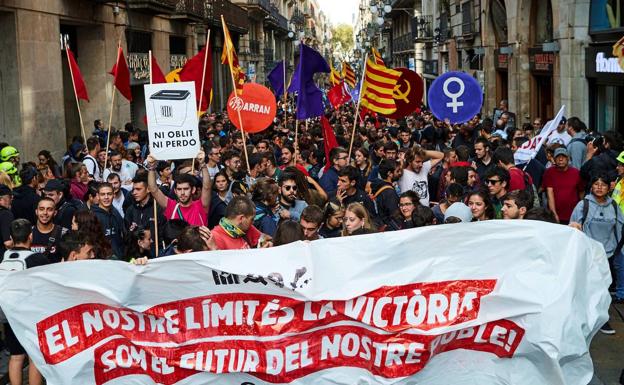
<point x="417" y="182"/>
<point x="126" y="173"/>
<point x="559" y="137"/>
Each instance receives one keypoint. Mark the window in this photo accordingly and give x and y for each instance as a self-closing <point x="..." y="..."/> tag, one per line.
<point x="177" y="45"/>
<point x="498" y="13"/>
<point x="606" y="15"/>
<point x="542" y="21"/>
<point x="467" y="18"/>
<point x="139" y="41"/>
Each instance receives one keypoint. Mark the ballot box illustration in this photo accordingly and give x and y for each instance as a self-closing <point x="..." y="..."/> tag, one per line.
<point x="171" y="107"/>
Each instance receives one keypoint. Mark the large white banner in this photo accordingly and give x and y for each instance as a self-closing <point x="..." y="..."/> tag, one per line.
<point x="514" y="302"/>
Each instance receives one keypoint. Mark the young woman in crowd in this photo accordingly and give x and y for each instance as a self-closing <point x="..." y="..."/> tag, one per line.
<point x="138" y="244"/>
<point x="356" y="217"/>
<point x="221" y="185"/>
<point x="332" y="223"/>
<point x="364" y="166"/>
<point x="481" y="206"/>
<point x="46" y="161"/>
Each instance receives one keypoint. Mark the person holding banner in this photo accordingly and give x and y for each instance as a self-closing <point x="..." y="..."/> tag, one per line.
<point x="194" y="212"/>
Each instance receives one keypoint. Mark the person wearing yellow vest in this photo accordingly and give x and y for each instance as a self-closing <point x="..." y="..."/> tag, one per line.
<point x="618" y="190"/>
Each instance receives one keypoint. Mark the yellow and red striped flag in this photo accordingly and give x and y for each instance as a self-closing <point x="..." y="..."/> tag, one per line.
<point x="334" y="75"/>
<point x="348" y="74"/>
<point x="378" y="85"/>
<point x="228" y="56"/>
<point x="377" y="56"/>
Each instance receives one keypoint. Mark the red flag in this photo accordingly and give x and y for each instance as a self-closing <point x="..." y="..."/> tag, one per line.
<point x="122" y="75"/>
<point x="192" y="71"/>
<point x="338" y="96"/>
<point x="157" y="74"/>
<point x="79" y="85"/>
<point x="330" y="141"/>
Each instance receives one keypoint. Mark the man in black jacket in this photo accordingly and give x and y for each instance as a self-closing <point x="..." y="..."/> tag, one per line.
<point x="66" y="206"/>
<point x="348" y="192"/>
<point x="25" y="197"/>
<point x="386" y="197"/>
<point x="140" y="214"/>
<point x="110" y="219"/>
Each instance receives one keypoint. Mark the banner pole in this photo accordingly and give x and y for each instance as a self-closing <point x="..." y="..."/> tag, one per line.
<point x="240" y="120"/>
<point x="110" y="118"/>
<point x="71" y="73"/>
<point x="357" y="108"/>
<point x="155" y="235"/>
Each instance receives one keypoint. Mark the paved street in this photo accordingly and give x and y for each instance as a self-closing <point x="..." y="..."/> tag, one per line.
<point x="608" y="351"/>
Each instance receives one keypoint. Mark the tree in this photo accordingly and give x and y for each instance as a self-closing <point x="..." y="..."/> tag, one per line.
<point x="342" y="39"/>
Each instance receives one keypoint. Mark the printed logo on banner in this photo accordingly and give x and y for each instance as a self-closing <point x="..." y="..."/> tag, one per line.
<point x="172" y="120"/>
<point x="455" y="96"/>
<point x="256" y="107"/>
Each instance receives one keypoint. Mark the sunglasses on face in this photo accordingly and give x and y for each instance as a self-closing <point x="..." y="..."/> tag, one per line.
<point x="492" y="181"/>
<point x="288" y="188"/>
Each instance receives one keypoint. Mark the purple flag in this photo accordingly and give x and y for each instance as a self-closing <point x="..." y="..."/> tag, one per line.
<point x="276" y="78"/>
<point x="309" y="97"/>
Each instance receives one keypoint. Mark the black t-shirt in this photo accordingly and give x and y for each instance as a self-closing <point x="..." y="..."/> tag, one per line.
<point x="47" y="243"/>
<point x="33" y="260"/>
<point x="6" y="217"/>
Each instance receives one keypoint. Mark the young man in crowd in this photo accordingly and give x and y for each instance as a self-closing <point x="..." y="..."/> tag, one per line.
<point x="232" y="162"/>
<point x="518" y="178"/>
<point x="578" y="145"/>
<point x="311" y="221"/>
<point x="288" y="197"/>
<point x="384" y="194"/>
<point x="516" y="204"/>
<point x="123" y="168"/>
<point x="348" y="191"/>
<point x="236" y="230"/>
<point x="140" y="214"/>
<point x="564" y="186"/>
<point x="45" y="234"/>
<point x="329" y="181"/>
<point x="194" y="212"/>
<point x="483" y="157"/>
<point x="66" y="206"/>
<point x="416" y="172"/>
<point x="497" y="180"/>
<point x="110" y="219"/>
<point x="18" y="257"/>
<point x="90" y="160"/>
<point x="213" y="154"/>
<point x="75" y="246"/>
<point x="120" y="195"/>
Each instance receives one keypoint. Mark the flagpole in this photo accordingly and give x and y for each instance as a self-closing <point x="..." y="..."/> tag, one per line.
<point x="201" y="90"/>
<point x="71" y="73"/>
<point x="110" y="118"/>
<point x="151" y="80"/>
<point x="357" y="108"/>
<point x="240" y="120"/>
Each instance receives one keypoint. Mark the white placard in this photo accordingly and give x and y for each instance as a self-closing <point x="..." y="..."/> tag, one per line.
<point x="172" y="120"/>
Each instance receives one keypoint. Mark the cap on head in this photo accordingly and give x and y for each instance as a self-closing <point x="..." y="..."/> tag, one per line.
<point x="561" y="151"/>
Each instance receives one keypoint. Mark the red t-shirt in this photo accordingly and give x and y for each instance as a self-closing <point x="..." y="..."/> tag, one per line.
<point x="566" y="186"/>
<point x="194" y="215"/>
<point x="517" y="179"/>
<point x="225" y="242"/>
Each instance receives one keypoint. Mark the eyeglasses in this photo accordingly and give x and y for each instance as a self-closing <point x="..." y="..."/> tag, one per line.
<point x="288" y="188"/>
<point x="492" y="181"/>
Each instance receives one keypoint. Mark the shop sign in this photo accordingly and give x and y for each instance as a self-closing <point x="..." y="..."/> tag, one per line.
<point x="138" y="64"/>
<point x="540" y="61"/>
<point x="501" y="60"/>
<point x="177" y="61"/>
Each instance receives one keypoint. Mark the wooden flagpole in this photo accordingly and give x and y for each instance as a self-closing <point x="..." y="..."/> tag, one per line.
<point x="357" y="108"/>
<point x="71" y="73"/>
<point x="110" y="118"/>
<point x="240" y="120"/>
<point x="157" y="246"/>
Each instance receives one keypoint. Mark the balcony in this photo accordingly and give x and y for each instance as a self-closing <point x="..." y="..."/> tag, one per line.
<point x="235" y="16"/>
<point x="190" y="10"/>
<point x="254" y="47"/>
<point x="153" y="6"/>
<point x="403" y="43"/>
<point x="259" y="7"/>
<point x="276" y="20"/>
<point x="423" y="27"/>
<point x="297" y="18"/>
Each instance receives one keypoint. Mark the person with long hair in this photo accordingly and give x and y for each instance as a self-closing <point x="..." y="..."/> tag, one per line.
<point x="333" y="215"/>
<point x="138" y="245"/>
<point x="481" y="206"/>
<point x="356" y="217"/>
<point x="288" y="231"/>
<point x="364" y="165"/>
<point x="86" y="222"/>
<point x="46" y="160"/>
<point x="221" y="185"/>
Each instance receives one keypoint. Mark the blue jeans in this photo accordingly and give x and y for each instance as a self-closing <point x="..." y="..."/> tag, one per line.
<point x="618" y="264"/>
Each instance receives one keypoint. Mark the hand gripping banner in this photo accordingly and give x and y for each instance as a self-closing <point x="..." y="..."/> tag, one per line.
<point x="496" y="302"/>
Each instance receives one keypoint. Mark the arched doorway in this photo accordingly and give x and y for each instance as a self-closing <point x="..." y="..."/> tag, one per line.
<point x="541" y="62"/>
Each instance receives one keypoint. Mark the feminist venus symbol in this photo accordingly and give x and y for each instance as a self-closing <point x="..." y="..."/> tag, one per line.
<point x="454" y="104"/>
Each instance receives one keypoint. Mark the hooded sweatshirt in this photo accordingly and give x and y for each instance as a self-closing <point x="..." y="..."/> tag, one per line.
<point x="601" y="223"/>
<point x="113" y="226"/>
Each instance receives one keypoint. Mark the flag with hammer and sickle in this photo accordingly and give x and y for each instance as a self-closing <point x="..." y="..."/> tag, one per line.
<point x="407" y="93"/>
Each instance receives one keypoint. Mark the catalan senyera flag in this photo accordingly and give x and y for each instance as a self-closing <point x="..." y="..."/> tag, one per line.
<point x="379" y="83"/>
<point x="377" y="56"/>
<point x="228" y="56"/>
<point x="348" y="74"/>
<point x="334" y="75"/>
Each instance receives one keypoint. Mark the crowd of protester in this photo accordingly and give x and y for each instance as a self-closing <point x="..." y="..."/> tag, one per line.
<point x="101" y="199"/>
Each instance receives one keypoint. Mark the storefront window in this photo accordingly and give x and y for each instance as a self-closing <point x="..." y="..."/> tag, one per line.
<point x="606" y="15"/>
<point x="608" y="98"/>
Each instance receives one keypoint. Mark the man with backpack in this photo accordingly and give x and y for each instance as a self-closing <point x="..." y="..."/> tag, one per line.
<point x="385" y="196"/>
<point x="46" y="235"/>
<point x="20" y="257"/>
